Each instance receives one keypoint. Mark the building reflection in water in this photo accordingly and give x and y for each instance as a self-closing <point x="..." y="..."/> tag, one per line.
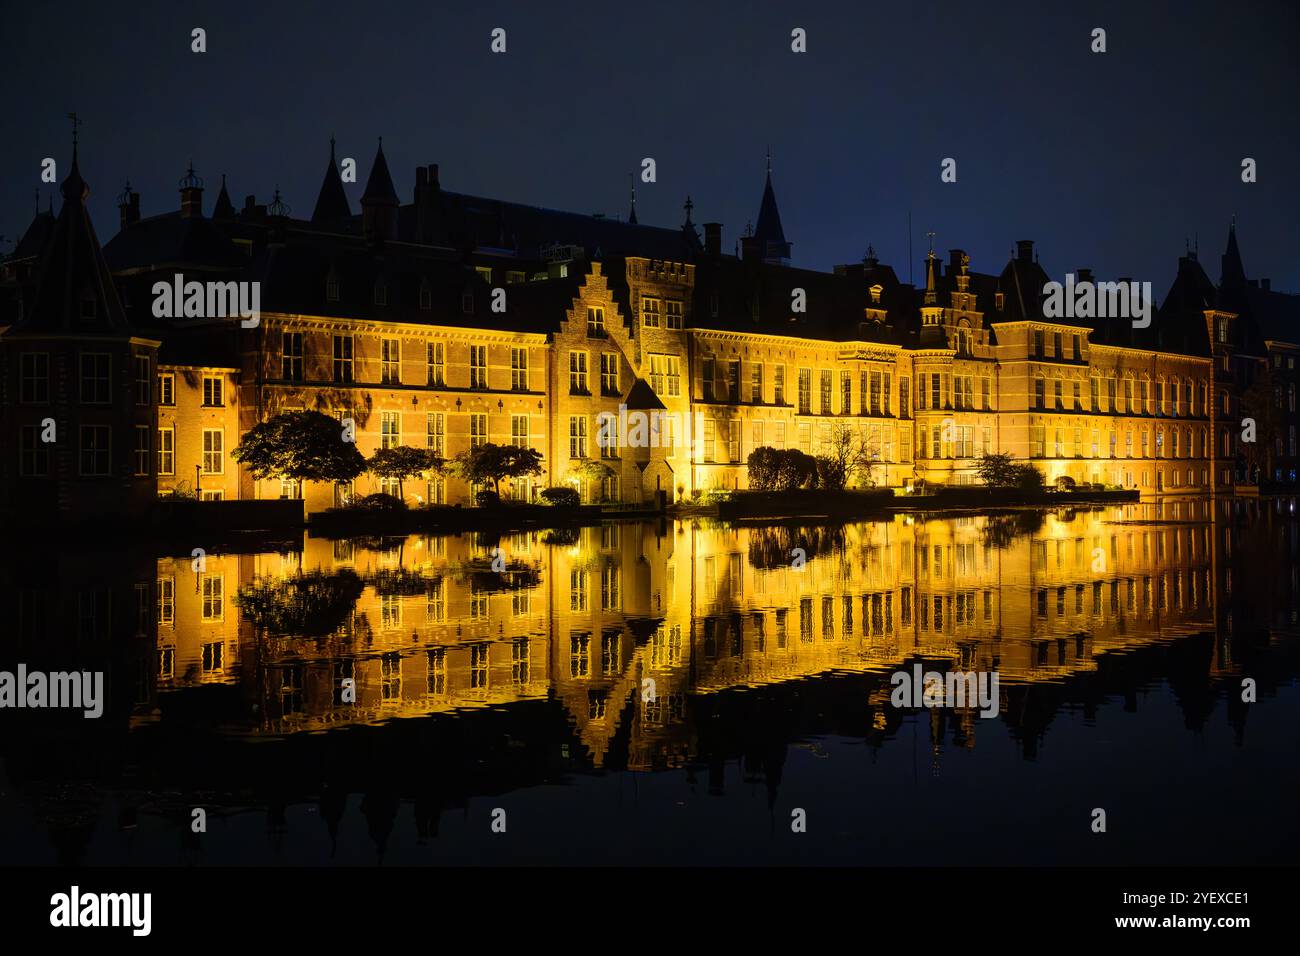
<point x="645" y="646"/>
<point x="424" y="625"/>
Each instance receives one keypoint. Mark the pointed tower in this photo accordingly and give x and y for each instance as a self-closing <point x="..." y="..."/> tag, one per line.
<point x="77" y="361"/>
<point x="75" y="291"/>
<point x="1232" y="273"/>
<point x="332" y="207"/>
<point x="631" y="216"/>
<point x="379" y="202"/>
<point x="224" y="208"/>
<point x="768" y="234"/>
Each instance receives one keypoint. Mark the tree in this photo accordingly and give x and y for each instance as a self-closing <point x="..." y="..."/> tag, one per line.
<point x="997" y="470"/>
<point x="589" y="469"/>
<point x="489" y="462"/>
<point x="853" y="454"/>
<point x="403" y="462"/>
<point x="300" y="446"/>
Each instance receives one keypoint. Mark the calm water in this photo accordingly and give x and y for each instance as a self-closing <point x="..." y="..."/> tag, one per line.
<point x="671" y="693"/>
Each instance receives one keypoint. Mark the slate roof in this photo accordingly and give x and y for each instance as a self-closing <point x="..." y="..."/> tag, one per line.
<point x="758" y="297"/>
<point x="74" y="293"/>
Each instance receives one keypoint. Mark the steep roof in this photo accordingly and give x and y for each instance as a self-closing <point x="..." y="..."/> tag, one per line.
<point x="379" y="187"/>
<point x="74" y="292"/>
<point x="332" y="202"/>
<point x="529" y="231"/>
<point x="750" y="296"/>
<point x="768" y="232"/>
<point x="38" y="233"/>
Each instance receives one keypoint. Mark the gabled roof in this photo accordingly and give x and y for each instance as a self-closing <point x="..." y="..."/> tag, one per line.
<point x="74" y="292"/>
<point x="642" y="397"/>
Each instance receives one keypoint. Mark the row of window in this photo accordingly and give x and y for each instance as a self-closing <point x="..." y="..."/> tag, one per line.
<point x="1069" y="443"/>
<point x="579" y="383"/>
<point x="380" y="289"/>
<point x="95" y="378"/>
<point x="343" y="369"/>
<point x="95" y="451"/>
<point x="1168" y="399"/>
<point x="1070" y="349"/>
<point x="661" y="313"/>
<point x="873" y="389"/>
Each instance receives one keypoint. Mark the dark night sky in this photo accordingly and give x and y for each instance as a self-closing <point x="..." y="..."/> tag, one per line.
<point x="1107" y="160"/>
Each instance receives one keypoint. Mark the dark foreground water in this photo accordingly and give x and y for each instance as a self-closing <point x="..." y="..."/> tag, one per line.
<point x="672" y="693"/>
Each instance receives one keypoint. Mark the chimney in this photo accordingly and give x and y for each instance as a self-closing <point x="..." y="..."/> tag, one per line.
<point x="1266" y="284"/>
<point x="426" y="202"/>
<point x="954" y="260"/>
<point x="192" y="203"/>
<point x="751" y="249"/>
<point x="1025" y="250"/>
<point x="1082" y="275"/>
<point x="252" y="212"/>
<point x="128" y="207"/>
<point x="713" y="238"/>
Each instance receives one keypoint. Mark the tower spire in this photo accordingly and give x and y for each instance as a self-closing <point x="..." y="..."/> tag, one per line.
<point x="770" y="236"/>
<point x="331" y="202"/>
<point x="631" y="216"/>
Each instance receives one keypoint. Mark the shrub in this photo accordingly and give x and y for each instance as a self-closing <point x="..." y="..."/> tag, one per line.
<point x="1028" y="478"/>
<point x="380" y="502"/>
<point x="996" y="470"/>
<point x="762" y="465"/>
<point x="561" y="497"/>
<point x="795" y="470"/>
<point x="1065" y="483"/>
<point x="488" y="499"/>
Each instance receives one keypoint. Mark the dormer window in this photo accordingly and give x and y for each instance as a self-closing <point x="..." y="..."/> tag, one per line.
<point x="467" y="303"/>
<point x="426" y="296"/>
<point x="381" y="293"/>
<point x="999" y="301"/>
<point x="331" y="287"/>
<point x="876" y="290"/>
<point x="88" y="307"/>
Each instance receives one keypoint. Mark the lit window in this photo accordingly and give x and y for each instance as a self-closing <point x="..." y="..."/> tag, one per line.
<point x="213" y="448"/>
<point x="212" y="391"/>
<point x="166" y="451"/>
<point x="650" y="312"/>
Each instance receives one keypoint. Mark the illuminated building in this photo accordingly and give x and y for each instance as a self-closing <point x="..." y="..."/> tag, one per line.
<point x="456" y="320"/>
